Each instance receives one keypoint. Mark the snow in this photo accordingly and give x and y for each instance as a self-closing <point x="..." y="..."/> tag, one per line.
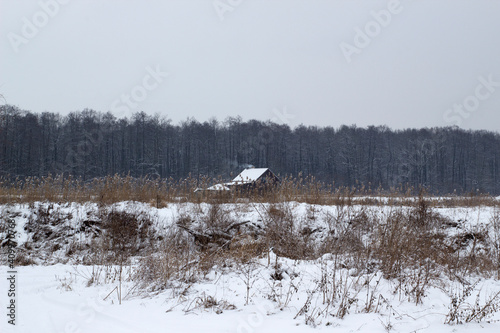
<point x="218" y="187"/>
<point x="249" y="175"/>
<point x="58" y="297"/>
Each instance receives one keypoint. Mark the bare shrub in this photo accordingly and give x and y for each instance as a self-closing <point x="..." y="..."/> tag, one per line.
<point x="46" y="214"/>
<point x="284" y="234"/>
<point x="244" y="247"/>
<point x="351" y="236"/>
<point x="462" y="311"/>
<point x="473" y="251"/>
<point x="414" y="282"/>
<point x="421" y="215"/>
<point x="393" y="241"/>
<point x="247" y="273"/>
<point x="205" y="302"/>
<point x="174" y="260"/>
<point x="217" y="239"/>
<point x="126" y="233"/>
<point x="217" y="218"/>
<point x="407" y="240"/>
<point x="495" y="240"/>
<point x="22" y="259"/>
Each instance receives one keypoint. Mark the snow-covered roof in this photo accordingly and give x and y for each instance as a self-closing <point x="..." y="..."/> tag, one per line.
<point x="218" y="187"/>
<point x="245" y="177"/>
<point x="249" y="175"/>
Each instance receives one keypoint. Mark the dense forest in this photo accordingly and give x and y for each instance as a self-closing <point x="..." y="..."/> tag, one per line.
<point x="91" y="144"/>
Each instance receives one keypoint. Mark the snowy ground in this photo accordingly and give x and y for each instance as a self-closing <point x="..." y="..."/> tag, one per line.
<point x="56" y="297"/>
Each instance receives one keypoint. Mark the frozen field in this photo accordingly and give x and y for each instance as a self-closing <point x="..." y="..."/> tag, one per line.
<point x="62" y="291"/>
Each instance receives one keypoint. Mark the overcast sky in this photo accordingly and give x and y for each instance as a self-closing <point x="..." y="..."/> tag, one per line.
<point x="317" y="62"/>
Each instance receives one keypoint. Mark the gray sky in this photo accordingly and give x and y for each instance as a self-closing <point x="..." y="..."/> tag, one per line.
<point x="403" y="64"/>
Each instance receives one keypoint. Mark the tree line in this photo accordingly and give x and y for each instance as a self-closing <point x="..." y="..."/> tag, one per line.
<point x="92" y="144"/>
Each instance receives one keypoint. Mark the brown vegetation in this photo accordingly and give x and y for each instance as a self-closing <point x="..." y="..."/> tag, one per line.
<point x="159" y="192"/>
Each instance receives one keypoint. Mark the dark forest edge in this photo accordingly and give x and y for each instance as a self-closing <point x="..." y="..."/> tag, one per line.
<point x="87" y="147"/>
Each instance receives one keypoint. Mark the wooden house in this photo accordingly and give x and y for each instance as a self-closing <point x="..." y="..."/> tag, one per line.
<point x="249" y="179"/>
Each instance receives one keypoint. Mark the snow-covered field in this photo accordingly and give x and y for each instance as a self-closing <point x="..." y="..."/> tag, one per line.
<point x="271" y="294"/>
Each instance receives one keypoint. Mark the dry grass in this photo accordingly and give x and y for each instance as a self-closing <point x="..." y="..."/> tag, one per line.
<point x="159" y="192"/>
